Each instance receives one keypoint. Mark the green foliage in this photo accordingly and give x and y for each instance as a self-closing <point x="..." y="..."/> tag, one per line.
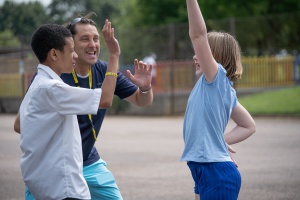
<point x="215" y="9"/>
<point x="259" y="25"/>
<point x="61" y="12"/>
<point x="7" y="39"/>
<point x="283" y="102"/>
<point x="22" y="19"/>
<point x="159" y="12"/>
<point x="269" y="21"/>
<point x="104" y="9"/>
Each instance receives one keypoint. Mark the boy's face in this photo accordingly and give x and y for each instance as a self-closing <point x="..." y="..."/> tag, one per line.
<point x="87" y="44"/>
<point x="67" y="58"/>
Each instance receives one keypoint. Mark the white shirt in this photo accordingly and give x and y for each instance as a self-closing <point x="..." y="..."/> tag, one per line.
<point x="52" y="160"/>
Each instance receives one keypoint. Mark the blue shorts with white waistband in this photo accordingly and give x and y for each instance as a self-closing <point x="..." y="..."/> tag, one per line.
<point x="101" y="182"/>
<point x="218" y="180"/>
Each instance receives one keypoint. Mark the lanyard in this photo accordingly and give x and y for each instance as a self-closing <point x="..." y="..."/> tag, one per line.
<point x="90" y="84"/>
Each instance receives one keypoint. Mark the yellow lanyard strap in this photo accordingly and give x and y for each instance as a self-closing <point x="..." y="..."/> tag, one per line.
<point x="90" y="84"/>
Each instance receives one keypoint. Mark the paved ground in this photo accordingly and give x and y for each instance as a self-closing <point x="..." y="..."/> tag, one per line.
<point x="143" y="153"/>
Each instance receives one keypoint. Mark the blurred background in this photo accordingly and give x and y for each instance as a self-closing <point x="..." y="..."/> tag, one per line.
<point x="146" y="152"/>
<point x="268" y="33"/>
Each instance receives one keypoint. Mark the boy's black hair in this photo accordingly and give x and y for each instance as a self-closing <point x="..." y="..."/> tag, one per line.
<point x="47" y="37"/>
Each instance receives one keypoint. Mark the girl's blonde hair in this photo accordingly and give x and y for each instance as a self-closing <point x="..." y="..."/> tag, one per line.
<point x="226" y="51"/>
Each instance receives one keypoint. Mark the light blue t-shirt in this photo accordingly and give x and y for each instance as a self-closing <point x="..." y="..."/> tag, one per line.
<point x="207" y="114"/>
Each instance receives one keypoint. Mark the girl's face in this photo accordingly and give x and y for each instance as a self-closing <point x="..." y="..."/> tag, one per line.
<point x="199" y="71"/>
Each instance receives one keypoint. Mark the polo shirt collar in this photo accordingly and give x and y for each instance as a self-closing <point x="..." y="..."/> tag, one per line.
<point x="45" y="70"/>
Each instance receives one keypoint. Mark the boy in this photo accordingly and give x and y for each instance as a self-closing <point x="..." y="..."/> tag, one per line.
<point x="51" y="160"/>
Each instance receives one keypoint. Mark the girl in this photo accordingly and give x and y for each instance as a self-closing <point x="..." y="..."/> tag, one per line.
<point x="211" y="103"/>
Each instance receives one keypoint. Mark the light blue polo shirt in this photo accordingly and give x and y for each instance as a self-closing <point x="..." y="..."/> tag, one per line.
<point x="207" y="114"/>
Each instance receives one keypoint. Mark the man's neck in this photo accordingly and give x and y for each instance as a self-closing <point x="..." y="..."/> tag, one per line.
<point x="82" y="70"/>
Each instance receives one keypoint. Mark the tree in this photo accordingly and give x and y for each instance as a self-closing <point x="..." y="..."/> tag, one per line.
<point x="22" y="19"/>
<point x="61" y="12"/>
<point x="7" y="39"/>
<point x="157" y="12"/>
<point x="272" y="22"/>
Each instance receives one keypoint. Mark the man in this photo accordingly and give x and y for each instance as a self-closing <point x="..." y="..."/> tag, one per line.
<point x="51" y="162"/>
<point x="89" y="73"/>
<point x="101" y="182"/>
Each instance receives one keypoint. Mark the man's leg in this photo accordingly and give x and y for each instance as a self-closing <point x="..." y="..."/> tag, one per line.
<point x="101" y="182"/>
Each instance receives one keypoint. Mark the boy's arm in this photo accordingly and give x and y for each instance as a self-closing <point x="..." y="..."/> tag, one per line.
<point x="17" y="123"/>
<point x="109" y="83"/>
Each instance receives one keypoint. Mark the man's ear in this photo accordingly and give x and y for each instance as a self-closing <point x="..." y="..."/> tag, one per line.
<point x="53" y="54"/>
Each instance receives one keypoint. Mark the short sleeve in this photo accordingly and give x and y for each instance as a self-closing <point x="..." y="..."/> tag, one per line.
<point x="234" y="98"/>
<point x="124" y="87"/>
<point x="69" y="100"/>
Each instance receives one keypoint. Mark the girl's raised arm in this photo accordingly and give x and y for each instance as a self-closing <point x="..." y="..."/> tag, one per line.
<point x="198" y="35"/>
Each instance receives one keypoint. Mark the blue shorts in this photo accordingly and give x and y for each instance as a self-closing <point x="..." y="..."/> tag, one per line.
<point x="101" y="182"/>
<point x="218" y="180"/>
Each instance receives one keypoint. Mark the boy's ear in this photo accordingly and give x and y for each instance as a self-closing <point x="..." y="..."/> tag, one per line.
<point x="53" y="54"/>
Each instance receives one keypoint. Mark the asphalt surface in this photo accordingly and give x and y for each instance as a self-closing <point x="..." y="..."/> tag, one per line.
<point x="144" y="155"/>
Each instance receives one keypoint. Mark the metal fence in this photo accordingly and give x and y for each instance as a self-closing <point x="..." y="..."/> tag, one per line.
<point x="179" y="76"/>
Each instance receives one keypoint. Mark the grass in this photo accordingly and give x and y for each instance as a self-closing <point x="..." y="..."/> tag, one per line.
<point x="282" y="102"/>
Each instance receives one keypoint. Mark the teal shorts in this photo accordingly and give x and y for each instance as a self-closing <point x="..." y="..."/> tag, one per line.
<point x="100" y="180"/>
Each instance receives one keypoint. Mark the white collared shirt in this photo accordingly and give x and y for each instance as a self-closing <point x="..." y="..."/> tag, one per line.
<point x="51" y="146"/>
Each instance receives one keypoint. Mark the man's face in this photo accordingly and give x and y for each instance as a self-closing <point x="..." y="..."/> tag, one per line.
<point x="67" y="58"/>
<point x="87" y="44"/>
